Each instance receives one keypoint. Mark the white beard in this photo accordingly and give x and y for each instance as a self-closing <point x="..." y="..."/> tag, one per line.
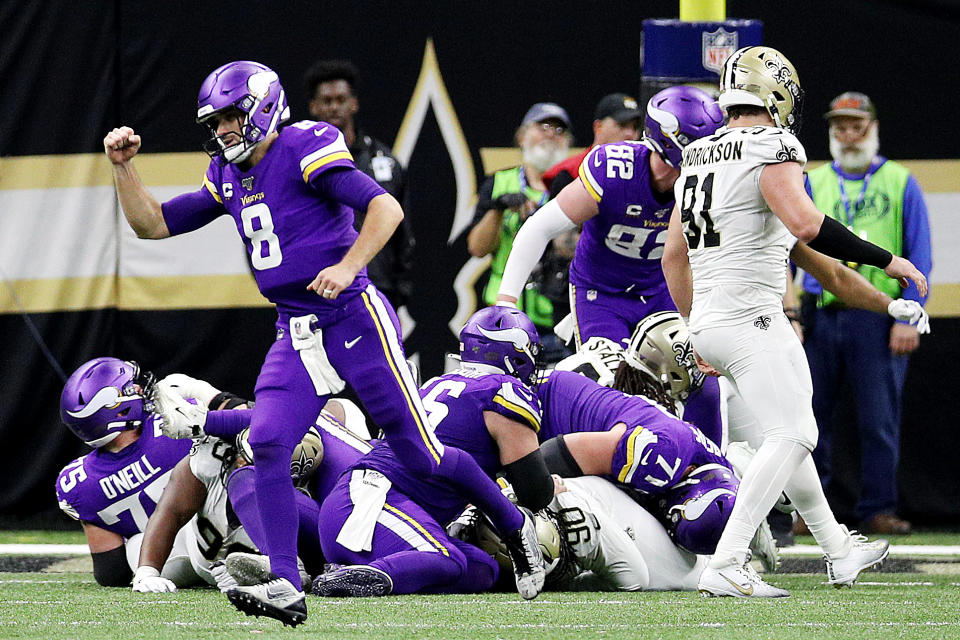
<point x="544" y="155"/>
<point x="858" y="159"/>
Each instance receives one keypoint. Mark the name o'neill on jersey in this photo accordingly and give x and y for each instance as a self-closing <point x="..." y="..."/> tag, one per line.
<point x="128" y="478"/>
<point x="723" y="151"/>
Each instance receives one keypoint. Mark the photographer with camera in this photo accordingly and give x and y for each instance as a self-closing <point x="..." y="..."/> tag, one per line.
<point x="510" y="196"/>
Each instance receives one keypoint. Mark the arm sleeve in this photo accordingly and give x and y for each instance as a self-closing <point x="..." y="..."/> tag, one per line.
<point x="916" y="236"/>
<point x="558" y="458"/>
<point x="531" y="481"/>
<point x="190" y="211"/>
<point x="547" y="223"/>
<point x="836" y="241"/>
<point x="110" y="568"/>
<point x="348" y="186"/>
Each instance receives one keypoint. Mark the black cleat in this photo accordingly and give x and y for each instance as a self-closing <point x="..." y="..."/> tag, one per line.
<point x="353" y="581"/>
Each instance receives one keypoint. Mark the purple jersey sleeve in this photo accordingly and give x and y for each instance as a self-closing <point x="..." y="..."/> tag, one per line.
<point x="592" y="171"/>
<point x="320" y="148"/>
<point x="350" y="187"/>
<point x="515" y="401"/>
<point x="190" y="211"/>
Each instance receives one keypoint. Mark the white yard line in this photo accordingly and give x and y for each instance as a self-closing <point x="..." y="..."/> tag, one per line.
<point x="43" y="549"/>
<point x="895" y="550"/>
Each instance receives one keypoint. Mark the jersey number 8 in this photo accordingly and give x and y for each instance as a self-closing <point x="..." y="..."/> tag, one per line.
<point x="262" y="238"/>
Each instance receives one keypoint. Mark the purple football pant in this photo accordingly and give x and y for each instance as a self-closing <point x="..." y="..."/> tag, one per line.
<point x="702" y="410"/>
<point x="610" y="315"/>
<point x="362" y="342"/>
<point x="240" y="491"/>
<point x="408" y="545"/>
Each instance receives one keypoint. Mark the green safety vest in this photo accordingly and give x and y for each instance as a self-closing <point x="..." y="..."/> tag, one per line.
<point x="877" y="216"/>
<point x="539" y="308"/>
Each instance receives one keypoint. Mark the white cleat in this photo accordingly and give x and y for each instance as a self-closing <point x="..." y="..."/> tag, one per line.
<point x="764" y="547"/>
<point x="528" y="567"/>
<point x="738" y="582"/>
<point x="253" y="568"/>
<point x="276" y="599"/>
<point x="844" y="571"/>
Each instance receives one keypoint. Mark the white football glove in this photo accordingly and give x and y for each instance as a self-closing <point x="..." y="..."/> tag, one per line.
<point x="148" y="580"/>
<point x="181" y="419"/>
<point x="910" y="311"/>
<point x="188" y="387"/>
<point x="225" y="581"/>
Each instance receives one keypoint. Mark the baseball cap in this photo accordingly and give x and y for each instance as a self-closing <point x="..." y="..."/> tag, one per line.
<point x="618" y="106"/>
<point x="853" y="104"/>
<point x="546" y="111"/>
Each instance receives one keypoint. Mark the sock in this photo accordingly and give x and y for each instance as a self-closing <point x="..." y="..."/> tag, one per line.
<point x="276" y="503"/>
<point x="761" y="485"/>
<point x="460" y="468"/>
<point x="805" y="491"/>
<point x="242" y="495"/>
<point x="417" y="571"/>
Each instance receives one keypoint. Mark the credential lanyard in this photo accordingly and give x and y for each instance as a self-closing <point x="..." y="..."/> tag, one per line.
<point x="523" y="188"/>
<point x="851" y="214"/>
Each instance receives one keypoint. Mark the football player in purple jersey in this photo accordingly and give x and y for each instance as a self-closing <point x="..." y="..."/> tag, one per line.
<point x="112" y="491"/>
<point x="623" y="199"/>
<point x="292" y="195"/>
<point x="386" y="523"/>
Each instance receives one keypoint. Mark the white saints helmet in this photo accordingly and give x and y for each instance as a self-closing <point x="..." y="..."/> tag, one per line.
<point x="763" y="77"/>
<point x="661" y="343"/>
<point x="306" y="457"/>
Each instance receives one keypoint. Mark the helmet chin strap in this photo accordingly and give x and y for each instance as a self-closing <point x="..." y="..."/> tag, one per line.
<point x="239" y="152"/>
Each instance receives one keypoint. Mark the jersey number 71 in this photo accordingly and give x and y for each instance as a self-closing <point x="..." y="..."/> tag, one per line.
<point x="697" y="224"/>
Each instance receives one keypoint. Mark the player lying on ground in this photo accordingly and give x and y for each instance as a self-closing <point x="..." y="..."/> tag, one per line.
<point x="386" y="524"/>
<point x="114" y="489"/>
<point x="325" y="452"/>
<point x="594" y="537"/>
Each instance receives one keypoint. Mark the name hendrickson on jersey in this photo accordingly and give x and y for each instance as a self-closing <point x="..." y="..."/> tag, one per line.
<point x="709" y="154"/>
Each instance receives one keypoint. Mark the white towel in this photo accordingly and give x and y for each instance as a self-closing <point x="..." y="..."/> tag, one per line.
<point x="309" y="344"/>
<point x="368" y="493"/>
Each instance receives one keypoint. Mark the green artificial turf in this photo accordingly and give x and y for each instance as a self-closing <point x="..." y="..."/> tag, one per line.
<point x="54" y="606"/>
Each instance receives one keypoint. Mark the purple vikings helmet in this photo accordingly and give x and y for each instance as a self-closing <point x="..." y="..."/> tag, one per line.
<point x="697" y="508"/>
<point x="250" y="88"/>
<point x="676" y="117"/>
<point x="504" y="338"/>
<point x="104" y="397"/>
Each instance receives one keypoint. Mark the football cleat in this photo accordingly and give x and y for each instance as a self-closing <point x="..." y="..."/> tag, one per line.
<point x="764" y="547"/>
<point x="524" y="548"/>
<point x="353" y="581"/>
<point x="249" y="569"/>
<point x="738" y="581"/>
<point x="844" y="571"/>
<point x="277" y="599"/>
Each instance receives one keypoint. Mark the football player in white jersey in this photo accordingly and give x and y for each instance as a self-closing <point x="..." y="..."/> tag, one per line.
<point x="740" y="197"/>
<point x="616" y="544"/>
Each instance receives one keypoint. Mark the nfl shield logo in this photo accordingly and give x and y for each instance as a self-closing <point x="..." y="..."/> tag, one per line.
<point x="717" y="47"/>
